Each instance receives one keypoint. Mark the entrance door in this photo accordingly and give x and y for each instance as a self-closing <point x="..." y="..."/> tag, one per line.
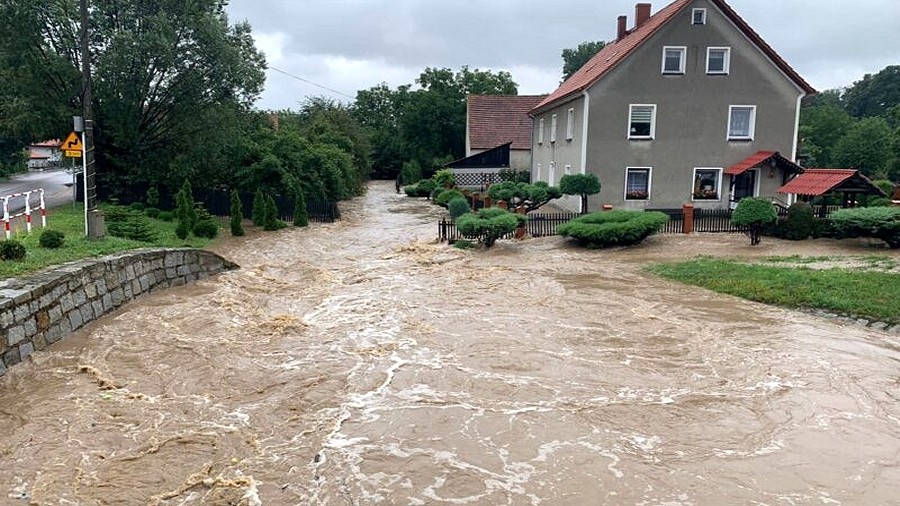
<point x="744" y="185"/>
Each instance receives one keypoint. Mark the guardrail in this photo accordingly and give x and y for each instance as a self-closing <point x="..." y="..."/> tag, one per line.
<point x="7" y="217"/>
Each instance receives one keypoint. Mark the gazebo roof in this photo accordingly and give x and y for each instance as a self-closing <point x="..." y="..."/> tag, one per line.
<point x="760" y="158"/>
<point x="816" y="182"/>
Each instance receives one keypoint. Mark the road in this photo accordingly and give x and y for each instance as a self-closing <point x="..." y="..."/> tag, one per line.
<point x="57" y="186"/>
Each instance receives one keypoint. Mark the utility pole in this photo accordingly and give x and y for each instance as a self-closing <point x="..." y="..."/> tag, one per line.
<point x="94" y="219"/>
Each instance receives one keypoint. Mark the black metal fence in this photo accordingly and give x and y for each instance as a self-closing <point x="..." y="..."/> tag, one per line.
<point x="218" y="202"/>
<point x="545" y="224"/>
<point x="538" y="225"/>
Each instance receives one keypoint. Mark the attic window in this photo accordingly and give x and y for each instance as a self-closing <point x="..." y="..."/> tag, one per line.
<point x="698" y="17"/>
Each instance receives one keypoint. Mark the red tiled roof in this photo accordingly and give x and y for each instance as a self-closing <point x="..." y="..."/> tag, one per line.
<point x="750" y="162"/>
<point x="817" y="181"/>
<point x="498" y="119"/>
<point x="35" y="156"/>
<point x="52" y="143"/>
<point x="612" y="54"/>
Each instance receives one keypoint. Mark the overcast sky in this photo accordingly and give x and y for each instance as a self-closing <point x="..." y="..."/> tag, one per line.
<point x="350" y="45"/>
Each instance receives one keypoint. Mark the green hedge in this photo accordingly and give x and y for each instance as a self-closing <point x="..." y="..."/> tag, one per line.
<point x="878" y="222"/>
<point x="488" y="225"/>
<point x="613" y="228"/>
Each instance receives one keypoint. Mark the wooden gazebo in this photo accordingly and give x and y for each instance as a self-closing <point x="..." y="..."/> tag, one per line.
<point x="850" y="183"/>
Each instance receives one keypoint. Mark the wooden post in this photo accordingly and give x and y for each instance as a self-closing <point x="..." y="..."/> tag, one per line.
<point x="688" y="225"/>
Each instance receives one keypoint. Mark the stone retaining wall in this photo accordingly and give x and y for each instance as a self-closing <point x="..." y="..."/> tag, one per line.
<point x="39" y="310"/>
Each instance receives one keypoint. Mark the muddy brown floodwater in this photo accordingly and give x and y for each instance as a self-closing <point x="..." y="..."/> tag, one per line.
<point x="361" y="363"/>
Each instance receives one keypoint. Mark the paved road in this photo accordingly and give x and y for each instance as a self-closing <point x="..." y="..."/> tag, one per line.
<point x="57" y="186"/>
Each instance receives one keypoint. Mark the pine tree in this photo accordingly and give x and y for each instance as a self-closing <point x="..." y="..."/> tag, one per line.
<point x="271" y="221"/>
<point x="301" y="218"/>
<point x="237" y="214"/>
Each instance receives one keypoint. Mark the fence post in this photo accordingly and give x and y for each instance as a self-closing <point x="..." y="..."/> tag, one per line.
<point x="688" y="225"/>
<point x="487" y="202"/>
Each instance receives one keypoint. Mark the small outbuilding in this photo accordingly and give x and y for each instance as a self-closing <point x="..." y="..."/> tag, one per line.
<point x="849" y="183"/>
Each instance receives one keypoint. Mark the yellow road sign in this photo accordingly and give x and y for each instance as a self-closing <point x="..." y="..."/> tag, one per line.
<point x="72" y="146"/>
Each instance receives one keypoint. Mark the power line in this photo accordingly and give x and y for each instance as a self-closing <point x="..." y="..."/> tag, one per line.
<point x="307" y="81"/>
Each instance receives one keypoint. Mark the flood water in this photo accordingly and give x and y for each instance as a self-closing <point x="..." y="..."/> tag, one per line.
<point x="361" y="363"/>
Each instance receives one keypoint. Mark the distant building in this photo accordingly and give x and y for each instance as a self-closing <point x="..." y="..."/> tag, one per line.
<point x="44" y="155"/>
<point x="690" y="105"/>
<point x="495" y="120"/>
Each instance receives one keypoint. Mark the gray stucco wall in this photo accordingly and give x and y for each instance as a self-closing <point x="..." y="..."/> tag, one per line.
<point x="562" y="153"/>
<point x="39" y="310"/>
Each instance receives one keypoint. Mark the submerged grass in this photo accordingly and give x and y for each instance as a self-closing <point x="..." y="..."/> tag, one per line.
<point x="69" y="220"/>
<point x="866" y="294"/>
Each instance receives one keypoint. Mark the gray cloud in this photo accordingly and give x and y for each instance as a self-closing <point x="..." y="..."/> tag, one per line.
<point x="350" y="45"/>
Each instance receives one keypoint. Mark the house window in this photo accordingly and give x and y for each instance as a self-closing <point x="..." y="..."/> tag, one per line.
<point x="570" y="124"/>
<point x="637" y="183"/>
<point x="552" y="129"/>
<point x="698" y="16"/>
<point x="552" y="174"/>
<point x="673" y="59"/>
<point x="641" y="121"/>
<point x="541" y="131"/>
<point x="741" y="122"/>
<point x="718" y="60"/>
<point x="707" y="184"/>
<point x="568" y="169"/>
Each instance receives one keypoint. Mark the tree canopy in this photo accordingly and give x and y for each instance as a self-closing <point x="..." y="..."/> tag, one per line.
<point x="574" y="59"/>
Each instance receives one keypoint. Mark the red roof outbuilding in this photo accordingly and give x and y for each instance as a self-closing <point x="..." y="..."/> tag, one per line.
<point x="815" y="182"/>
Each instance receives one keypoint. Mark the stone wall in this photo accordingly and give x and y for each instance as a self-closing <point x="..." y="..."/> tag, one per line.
<point x="41" y="309"/>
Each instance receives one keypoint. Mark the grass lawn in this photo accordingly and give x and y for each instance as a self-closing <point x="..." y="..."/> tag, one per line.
<point x="853" y="292"/>
<point x="69" y="220"/>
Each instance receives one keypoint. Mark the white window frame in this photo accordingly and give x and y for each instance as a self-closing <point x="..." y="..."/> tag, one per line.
<point x="553" y="125"/>
<point x="570" y="124"/>
<point x="702" y="13"/>
<point x="652" y="122"/>
<point x="718" y="185"/>
<point x="551" y="173"/>
<point x="540" y="131"/>
<point x="751" y="127"/>
<point x="649" y="171"/>
<point x="726" y="60"/>
<point x="682" y="61"/>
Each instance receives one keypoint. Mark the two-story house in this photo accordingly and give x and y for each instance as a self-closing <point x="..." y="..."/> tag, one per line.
<point x="688" y="106"/>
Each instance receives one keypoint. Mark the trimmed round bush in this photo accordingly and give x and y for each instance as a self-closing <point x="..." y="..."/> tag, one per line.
<point x="443" y="198"/>
<point x="206" y="228"/>
<point x="878" y="222"/>
<point x="458" y="206"/>
<point x="11" y="249"/>
<point x="152" y="212"/>
<point x="421" y="189"/>
<point x="166" y="216"/>
<point x="51" y="239"/>
<point x="444" y="177"/>
<point x="799" y="222"/>
<point x="137" y="206"/>
<point x="754" y="214"/>
<point x="613" y="228"/>
<point x="488" y="225"/>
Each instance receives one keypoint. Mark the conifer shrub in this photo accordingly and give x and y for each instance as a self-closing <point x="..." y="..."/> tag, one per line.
<point x="488" y="225"/>
<point x="152" y="197"/>
<point x="270" y="220"/>
<point x="206" y="228"/>
<point x="258" y="214"/>
<point x="458" y="206"/>
<point x="185" y="211"/>
<point x="443" y="197"/>
<point x="11" y="250"/>
<point x="129" y="224"/>
<point x="52" y="239"/>
<point x="444" y="178"/>
<point x="613" y="228"/>
<point x="301" y="217"/>
<point x="799" y="223"/>
<point x="878" y="222"/>
<point x="237" y="214"/>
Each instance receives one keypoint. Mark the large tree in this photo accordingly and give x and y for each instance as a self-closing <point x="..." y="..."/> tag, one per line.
<point x="874" y="95"/>
<point x="169" y="79"/>
<point x="866" y="146"/>
<point x="574" y="59"/>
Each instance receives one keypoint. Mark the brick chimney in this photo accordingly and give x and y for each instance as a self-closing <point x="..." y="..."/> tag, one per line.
<point x="623" y="30"/>
<point x="641" y="15"/>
